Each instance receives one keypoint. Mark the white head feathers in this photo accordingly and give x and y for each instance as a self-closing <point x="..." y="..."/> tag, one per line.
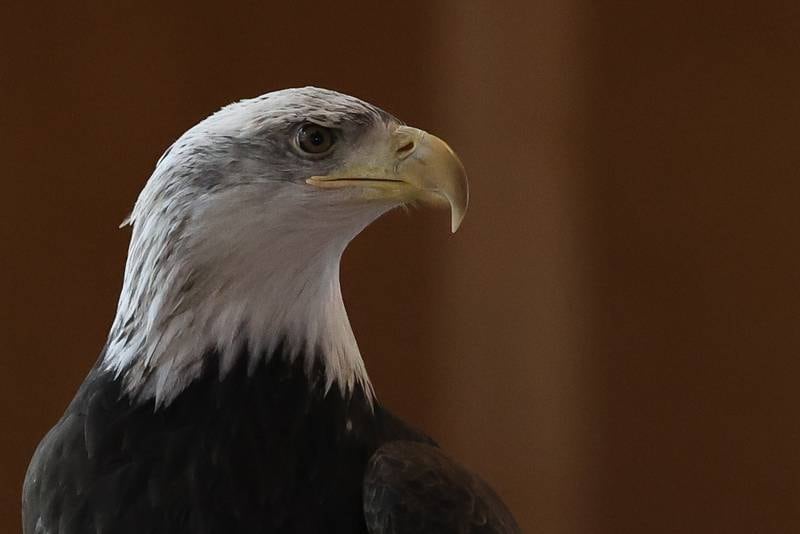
<point x="231" y="251"/>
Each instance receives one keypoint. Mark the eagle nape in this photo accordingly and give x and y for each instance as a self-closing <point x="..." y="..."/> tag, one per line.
<point x="231" y="395"/>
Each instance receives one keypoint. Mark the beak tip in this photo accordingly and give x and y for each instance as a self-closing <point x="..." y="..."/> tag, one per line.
<point x="456" y="218"/>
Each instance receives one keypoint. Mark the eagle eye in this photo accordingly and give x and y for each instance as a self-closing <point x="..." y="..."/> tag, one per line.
<point x="314" y="139"/>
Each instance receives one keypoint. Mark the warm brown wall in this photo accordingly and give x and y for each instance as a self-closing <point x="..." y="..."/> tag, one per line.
<point x="509" y="300"/>
<point x="693" y="186"/>
<point x="625" y="293"/>
<point x="611" y="339"/>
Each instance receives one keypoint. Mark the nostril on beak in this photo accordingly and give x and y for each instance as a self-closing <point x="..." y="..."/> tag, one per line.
<point x="406" y="148"/>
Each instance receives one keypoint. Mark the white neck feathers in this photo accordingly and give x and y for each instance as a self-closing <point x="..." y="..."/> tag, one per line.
<point x="217" y="281"/>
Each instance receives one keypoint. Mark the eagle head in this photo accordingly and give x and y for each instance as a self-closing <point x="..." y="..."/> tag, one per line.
<point x="238" y="234"/>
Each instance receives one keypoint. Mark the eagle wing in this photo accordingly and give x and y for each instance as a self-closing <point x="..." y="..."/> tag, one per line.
<point x="412" y="487"/>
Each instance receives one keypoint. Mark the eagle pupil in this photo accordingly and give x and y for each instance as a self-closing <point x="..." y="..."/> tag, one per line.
<point x="314" y="139"/>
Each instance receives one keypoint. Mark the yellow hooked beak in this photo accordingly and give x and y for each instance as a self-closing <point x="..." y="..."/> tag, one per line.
<point x="412" y="166"/>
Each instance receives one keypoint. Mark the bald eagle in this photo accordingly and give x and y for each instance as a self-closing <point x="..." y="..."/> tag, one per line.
<point x="231" y="396"/>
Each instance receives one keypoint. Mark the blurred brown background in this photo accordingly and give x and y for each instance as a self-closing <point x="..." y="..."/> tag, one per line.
<point x="612" y="339"/>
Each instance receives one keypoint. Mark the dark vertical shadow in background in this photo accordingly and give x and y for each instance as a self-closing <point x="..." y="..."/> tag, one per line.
<point x="693" y="170"/>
